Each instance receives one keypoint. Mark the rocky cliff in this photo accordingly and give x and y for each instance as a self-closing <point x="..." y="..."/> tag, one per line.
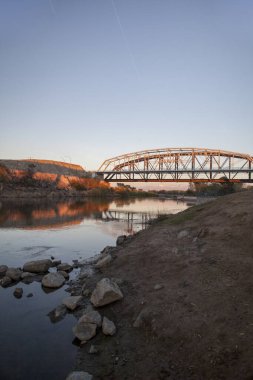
<point x="37" y="177"/>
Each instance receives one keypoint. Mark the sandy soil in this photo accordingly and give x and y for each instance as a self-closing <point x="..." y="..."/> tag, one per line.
<point x="199" y="325"/>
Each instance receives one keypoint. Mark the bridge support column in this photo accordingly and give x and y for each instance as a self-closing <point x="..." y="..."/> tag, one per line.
<point x="193" y="165"/>
<point x="176" y="166"/>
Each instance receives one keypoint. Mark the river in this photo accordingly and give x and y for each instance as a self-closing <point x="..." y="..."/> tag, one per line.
<point x="32" y="347"/>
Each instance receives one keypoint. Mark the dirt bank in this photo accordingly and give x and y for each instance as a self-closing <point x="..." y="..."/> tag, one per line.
<point x="198" y="323"/>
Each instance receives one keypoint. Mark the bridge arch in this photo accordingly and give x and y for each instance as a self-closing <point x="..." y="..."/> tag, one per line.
<point x="178" y="165"/>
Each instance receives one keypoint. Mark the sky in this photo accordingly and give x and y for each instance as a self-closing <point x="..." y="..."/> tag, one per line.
<point x="85" y="80"/>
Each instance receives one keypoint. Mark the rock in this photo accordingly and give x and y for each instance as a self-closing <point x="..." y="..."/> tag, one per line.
<point x="104" y="261"/>
<point x="84" y="331"/>
<point x="14" y="274"/>
<point x="105" y="293"/>
<point x="72" y="302"/>
<point x="93" y="349"/>
<point x="119" y="281"/>
<point x="53" y="280"/>
<point x="83" y="275"/>
<point x="182" y="234"/>
<point x="88" y="261"/>
<point x="79" y="375"/>
<point x="18" y="292"/>
<point x="107" y="249"/>
<point x="75" y="290"/>
<point x="38" y="266"/>
<point x="143" y="317"/>
<point x="3" y="270"/>
<point x="86" y="292"/>
<point x="29" y="295"/>
<point x="56" y="263"/>
<point x="158" y="287"/>
<point x="175" y="250"/>
<point x="65" y="267"/>
<point x="58" y="313"/>
<point x="26" y="275"/>
<point x="120" y="239"/>
<point x="91" y="316"/>
<point x="108" y="327"/>
<point x="5" y="281"/>
<point x="202" y="232"/>
<point x="65" y="274"/>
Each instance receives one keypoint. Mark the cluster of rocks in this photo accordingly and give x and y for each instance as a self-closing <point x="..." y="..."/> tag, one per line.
<point x="106" y="291"/>
<point x="106" y="255"/>
<point x="91" y="321"/>
<point x="86" y="327"/>
<point x="38" y="269"/>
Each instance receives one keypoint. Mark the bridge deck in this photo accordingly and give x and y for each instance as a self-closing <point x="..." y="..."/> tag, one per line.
<point x="179" y="165"/>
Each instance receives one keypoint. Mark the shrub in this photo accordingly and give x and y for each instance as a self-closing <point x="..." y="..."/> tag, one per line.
<point x="4" y="174"/>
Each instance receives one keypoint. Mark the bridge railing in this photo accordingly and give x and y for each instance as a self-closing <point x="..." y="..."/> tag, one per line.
<point x="179" y="164"/>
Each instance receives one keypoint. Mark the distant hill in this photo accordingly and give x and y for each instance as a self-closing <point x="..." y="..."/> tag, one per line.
<point x="43" y="166"/>
<point x="42" y="178"/>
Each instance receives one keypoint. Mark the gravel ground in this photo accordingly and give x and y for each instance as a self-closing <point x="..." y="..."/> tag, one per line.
<point x="187" y="283"/>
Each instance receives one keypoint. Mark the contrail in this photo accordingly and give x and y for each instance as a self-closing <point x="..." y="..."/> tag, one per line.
<point x="52" y="6"/>
<point x="124" y="37"/>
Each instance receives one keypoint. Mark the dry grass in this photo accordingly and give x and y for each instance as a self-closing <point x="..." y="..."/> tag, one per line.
<point x="89" y="184"/>
<point x="4" y="174"/>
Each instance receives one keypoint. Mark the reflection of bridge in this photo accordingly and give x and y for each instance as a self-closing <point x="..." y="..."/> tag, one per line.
<point x="125" y="216"/>
<point x="130" y="217"/>
<point x="179" y="165"/>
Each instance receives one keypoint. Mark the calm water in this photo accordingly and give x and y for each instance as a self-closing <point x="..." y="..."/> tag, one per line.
<point x="31" y="346"/>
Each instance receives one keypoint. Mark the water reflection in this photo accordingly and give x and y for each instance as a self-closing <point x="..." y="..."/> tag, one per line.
<point x="47" y="214"/>
<point x="72" y="229"/>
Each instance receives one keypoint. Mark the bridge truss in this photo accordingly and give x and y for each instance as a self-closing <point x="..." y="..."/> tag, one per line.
<point x="179" y="165"/>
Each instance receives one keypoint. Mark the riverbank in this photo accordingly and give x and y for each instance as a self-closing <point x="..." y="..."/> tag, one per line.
<point x="22" y="192"/>
<point x="69" y="230"/>
<point x="187" y="306"/>
<point x="38" y="179"/>
<point x="32" y="179"/>
<point x="27" y="189"/>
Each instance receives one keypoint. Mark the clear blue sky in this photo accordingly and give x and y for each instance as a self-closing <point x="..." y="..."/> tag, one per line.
<point x="84" y="80"/>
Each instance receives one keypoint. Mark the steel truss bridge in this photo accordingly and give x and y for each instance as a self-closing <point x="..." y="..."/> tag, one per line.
<point x="179" y="165"/>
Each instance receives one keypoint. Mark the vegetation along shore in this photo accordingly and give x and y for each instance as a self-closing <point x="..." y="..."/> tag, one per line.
<point x="52" y="179"/>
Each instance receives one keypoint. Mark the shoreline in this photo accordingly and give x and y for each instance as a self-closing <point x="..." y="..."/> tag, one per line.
<point x="186" y="306"/>
<point x="26" y="194"/>
<point x="181" y="278"/>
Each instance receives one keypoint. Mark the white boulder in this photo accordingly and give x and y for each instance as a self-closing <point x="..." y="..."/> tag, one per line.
<point x="53" y="280"/>
<point x="38" y="266"/>
<point x="106" y="292"/>
<point x="108" y="327"/>
<point x="72" y="302"/>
